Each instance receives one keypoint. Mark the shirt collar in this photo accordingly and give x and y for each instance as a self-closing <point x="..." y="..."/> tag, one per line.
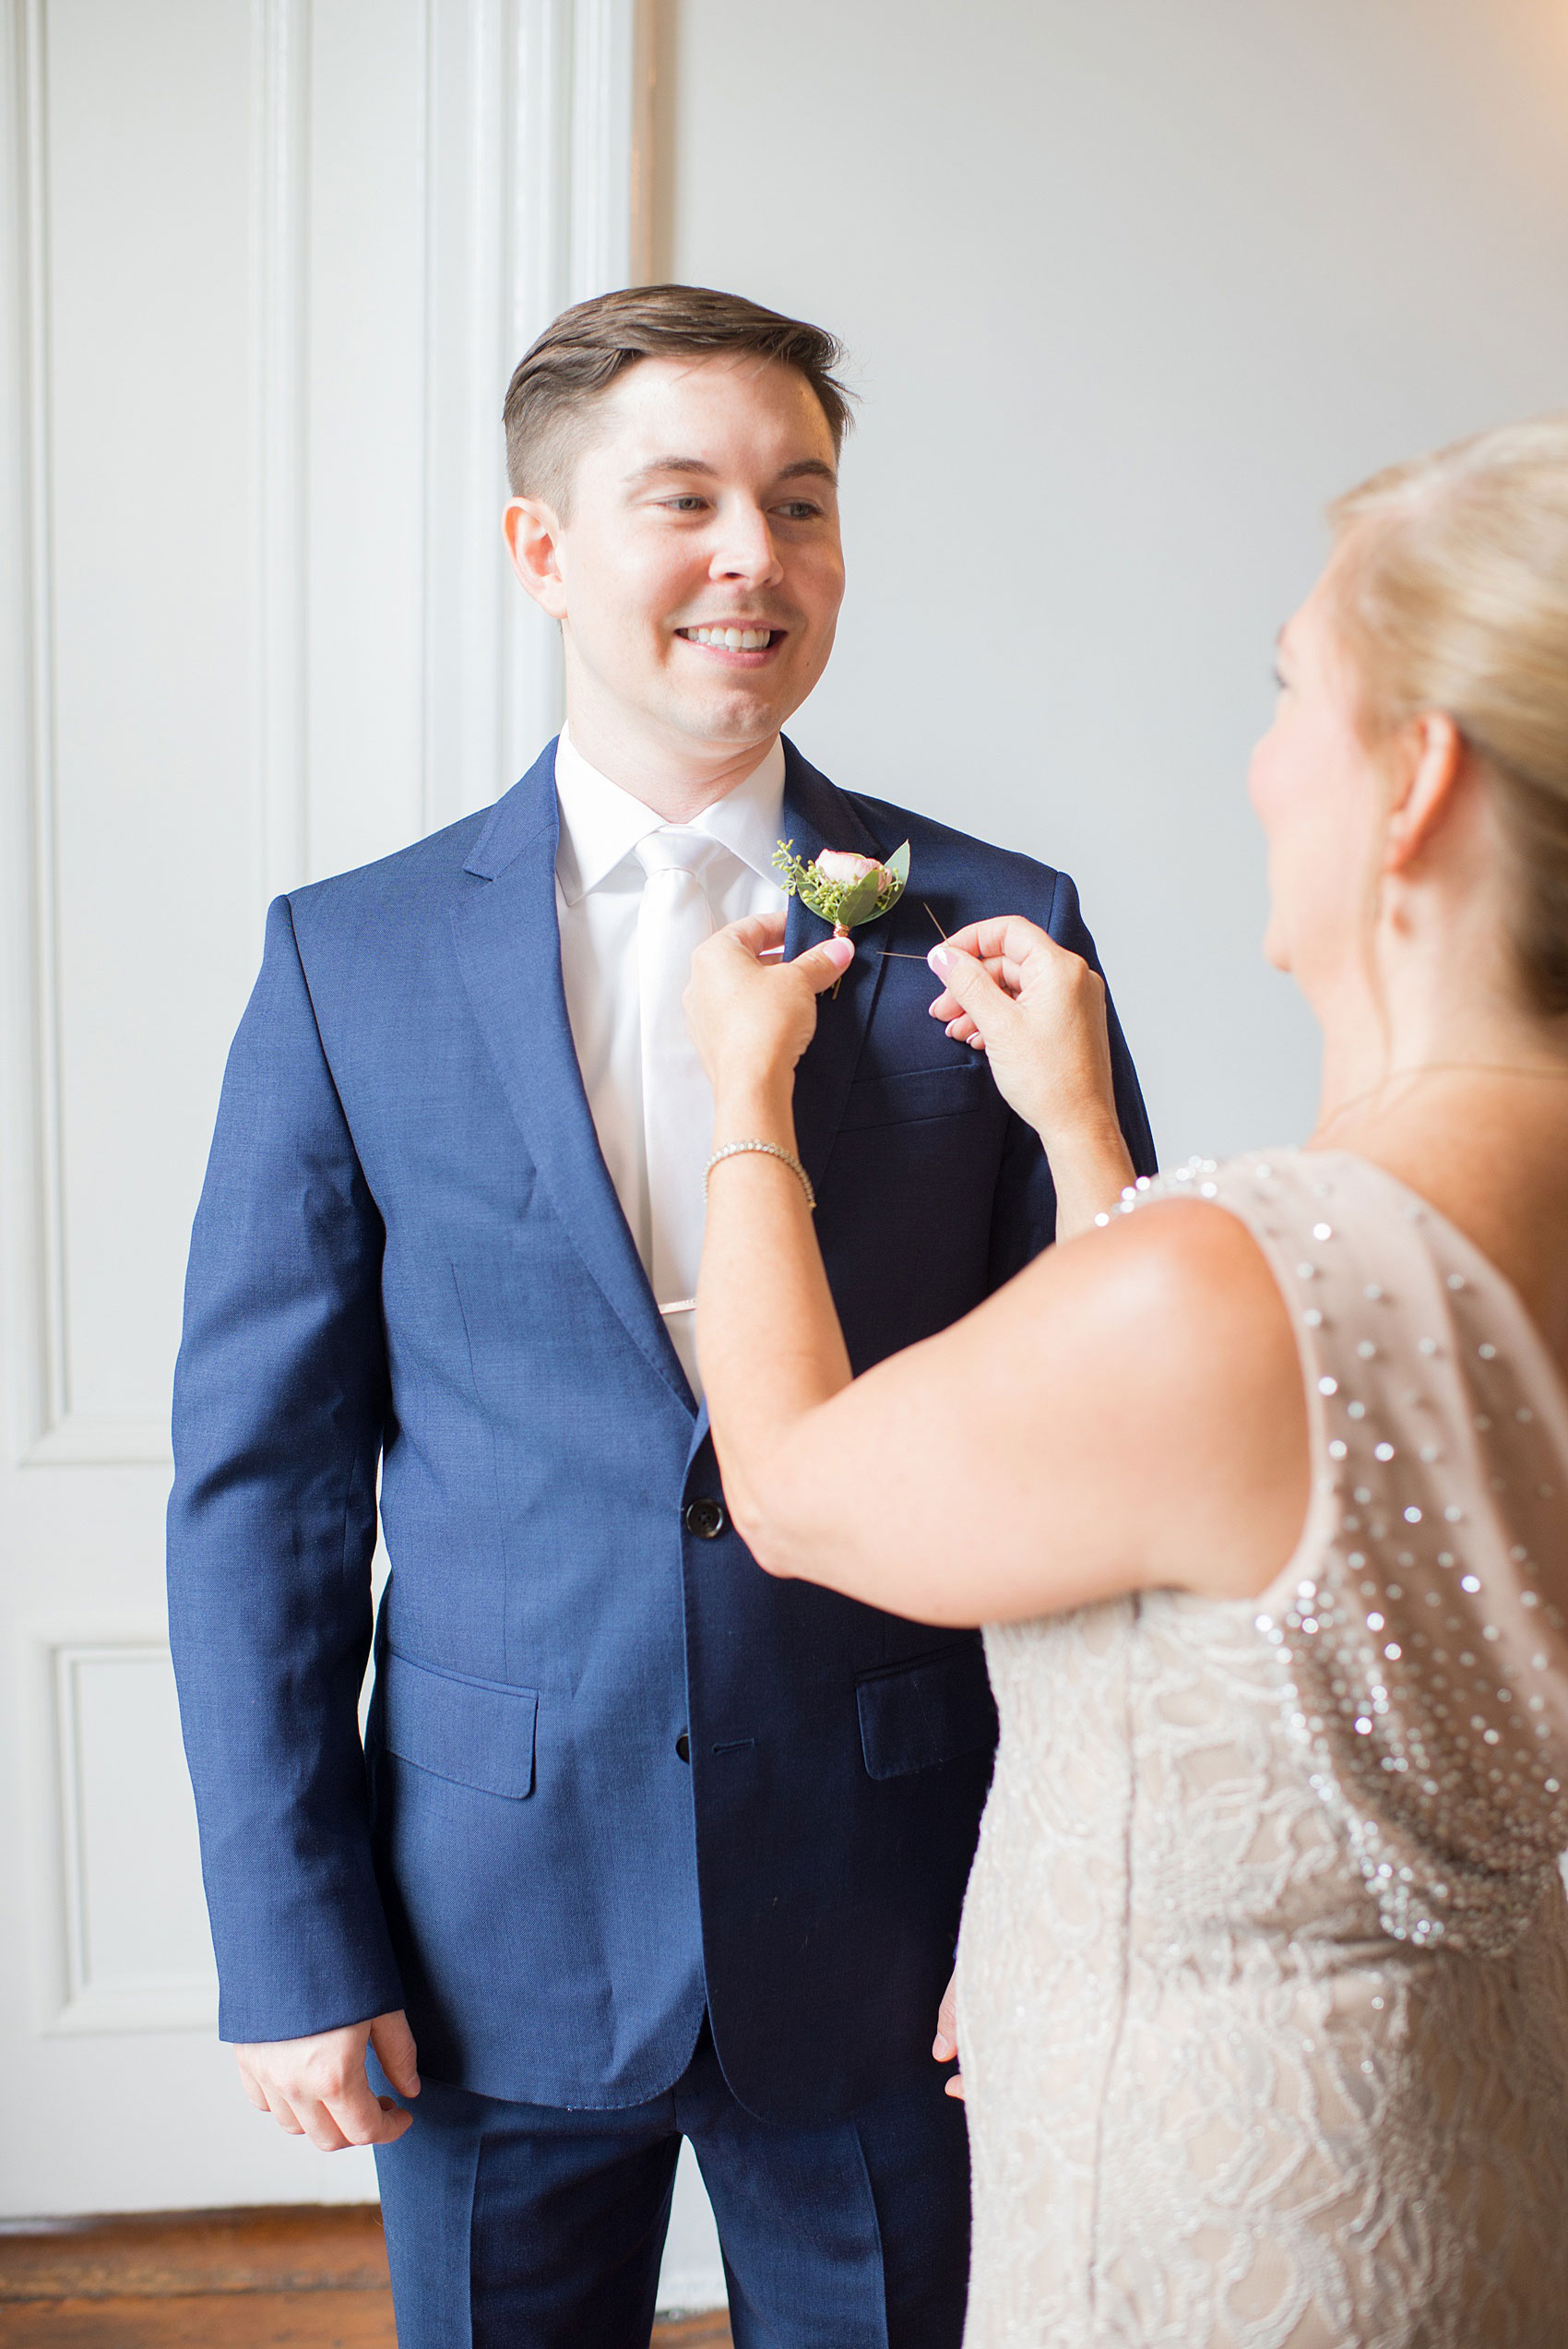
<point x="601" y="824"/>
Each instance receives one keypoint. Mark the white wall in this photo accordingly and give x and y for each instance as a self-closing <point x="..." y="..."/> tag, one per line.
<point x="1130" y="288"/>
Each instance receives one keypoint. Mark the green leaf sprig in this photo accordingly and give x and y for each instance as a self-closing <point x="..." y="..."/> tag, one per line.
<point x="845" y="904"/>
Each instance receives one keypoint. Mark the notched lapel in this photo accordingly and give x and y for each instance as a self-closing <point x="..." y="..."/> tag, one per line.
<point x="818" y="816"/>
<point x="508" y="943"/>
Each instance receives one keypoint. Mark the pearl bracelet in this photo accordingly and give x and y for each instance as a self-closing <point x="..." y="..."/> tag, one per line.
<point x="769" y="1150"/>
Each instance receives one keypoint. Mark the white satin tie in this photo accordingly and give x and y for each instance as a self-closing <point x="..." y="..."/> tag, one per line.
<point x="673" y="920"/>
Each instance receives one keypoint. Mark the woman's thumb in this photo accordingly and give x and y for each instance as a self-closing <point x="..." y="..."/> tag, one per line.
<point x="968" y="982"/>
<point x="825" y="963"/>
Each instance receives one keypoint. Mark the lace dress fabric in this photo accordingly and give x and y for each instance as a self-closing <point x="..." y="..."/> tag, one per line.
<point x="1263" y="1984"/>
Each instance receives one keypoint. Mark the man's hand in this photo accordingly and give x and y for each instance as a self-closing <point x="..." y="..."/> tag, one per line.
<point x="317" y="2088"/>
<point x="945" y="2047"/>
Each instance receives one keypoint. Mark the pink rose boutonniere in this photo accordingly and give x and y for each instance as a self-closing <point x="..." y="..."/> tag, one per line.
<point x="843" y="888"/>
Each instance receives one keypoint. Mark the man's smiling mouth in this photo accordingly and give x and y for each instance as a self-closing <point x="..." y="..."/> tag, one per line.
<point x="731" y="639"/>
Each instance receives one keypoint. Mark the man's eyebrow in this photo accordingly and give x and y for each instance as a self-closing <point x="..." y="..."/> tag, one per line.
<point x="812" y="468"/>
<point x="674" y="465"/>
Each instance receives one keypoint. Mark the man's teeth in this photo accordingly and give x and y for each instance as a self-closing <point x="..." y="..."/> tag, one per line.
<point x="732" y="639"/>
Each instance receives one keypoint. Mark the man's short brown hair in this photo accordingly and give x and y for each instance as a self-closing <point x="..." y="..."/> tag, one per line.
<point x="579" y="357"/>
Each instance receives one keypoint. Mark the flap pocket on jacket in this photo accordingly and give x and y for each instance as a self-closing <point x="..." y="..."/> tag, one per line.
<point x="478" y="1731"/>
<point x="918" y="1092"/>
<point x="932" y="1710"/>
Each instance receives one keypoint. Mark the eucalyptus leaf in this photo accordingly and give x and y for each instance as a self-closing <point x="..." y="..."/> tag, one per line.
<point x="859" y="901"/>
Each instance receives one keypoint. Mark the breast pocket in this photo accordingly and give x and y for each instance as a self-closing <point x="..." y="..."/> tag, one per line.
<point x="900" y="1099"/>
<point x="915" y="1715"/>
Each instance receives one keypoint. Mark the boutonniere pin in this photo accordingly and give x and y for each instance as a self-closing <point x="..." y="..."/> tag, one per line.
<point x="843" y="888"/>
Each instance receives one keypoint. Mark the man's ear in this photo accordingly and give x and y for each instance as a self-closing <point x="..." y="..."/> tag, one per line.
<point x="533" y="532"/>
<point x="1432" y="756"/>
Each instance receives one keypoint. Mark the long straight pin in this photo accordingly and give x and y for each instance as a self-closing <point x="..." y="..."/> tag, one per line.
<point x="891" y="953"/>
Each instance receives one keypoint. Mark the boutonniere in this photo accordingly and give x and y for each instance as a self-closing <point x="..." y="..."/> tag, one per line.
<point x="843" y="888"/>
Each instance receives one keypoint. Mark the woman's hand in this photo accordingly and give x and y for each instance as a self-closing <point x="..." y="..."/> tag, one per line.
<point x="752" y="1016"/>
<point x="1037" y="1012"/>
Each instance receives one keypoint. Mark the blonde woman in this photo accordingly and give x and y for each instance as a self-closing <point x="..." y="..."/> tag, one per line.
<point x="1259" y="1484"/>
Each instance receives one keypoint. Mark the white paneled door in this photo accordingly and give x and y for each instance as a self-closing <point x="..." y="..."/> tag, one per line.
<point x="265" y="266"/>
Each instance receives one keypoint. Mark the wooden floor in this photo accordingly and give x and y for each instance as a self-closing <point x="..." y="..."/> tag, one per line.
<point x="288" y="2279"/>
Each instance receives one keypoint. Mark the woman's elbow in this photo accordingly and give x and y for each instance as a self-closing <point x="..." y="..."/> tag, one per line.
<point x="761" y="1513"/>
<point x="768" y="1547"/>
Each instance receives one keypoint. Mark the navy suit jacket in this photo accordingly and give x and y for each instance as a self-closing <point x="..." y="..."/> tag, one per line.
<point x="409" y="1258"/>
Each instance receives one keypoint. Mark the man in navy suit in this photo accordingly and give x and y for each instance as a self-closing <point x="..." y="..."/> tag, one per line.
<point x="641" y="1844"/>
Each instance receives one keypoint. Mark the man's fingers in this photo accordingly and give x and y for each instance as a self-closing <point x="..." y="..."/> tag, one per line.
<point x="283" y="2112"/>
<point x="316" y="2120"/>
<point x="945" y="2046"/>
<point x="253" y="2089"/>
<point x="358" y="2112"/>
<point x="394" y="2046"/>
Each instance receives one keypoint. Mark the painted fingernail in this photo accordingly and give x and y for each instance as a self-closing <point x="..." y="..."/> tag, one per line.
<point x="840" y="952"/>
<point x="937" y="957"/>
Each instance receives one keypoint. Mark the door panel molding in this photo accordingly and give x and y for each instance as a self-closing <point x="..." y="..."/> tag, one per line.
<point x="104" y="1763"/>
<point x="538" y="195"/>
<point x="536" y="166"/>
<point x="54" y="1431"/>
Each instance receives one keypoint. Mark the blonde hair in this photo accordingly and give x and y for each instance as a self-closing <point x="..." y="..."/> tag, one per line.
<point x="1451" y="595"/>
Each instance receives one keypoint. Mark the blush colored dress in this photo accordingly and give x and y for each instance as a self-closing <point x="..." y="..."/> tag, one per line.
<point x="1262" y="1985"/>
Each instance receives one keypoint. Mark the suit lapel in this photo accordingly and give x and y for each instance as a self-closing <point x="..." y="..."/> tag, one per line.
<point x="818" y="816"/>
<point x="508" y="942"/>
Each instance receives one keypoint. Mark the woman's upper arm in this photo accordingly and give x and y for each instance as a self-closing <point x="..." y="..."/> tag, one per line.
<point x="1127" y="1413"/>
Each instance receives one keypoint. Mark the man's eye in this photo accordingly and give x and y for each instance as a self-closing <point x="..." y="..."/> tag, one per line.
<point x="687" y="503"/>
<point x="799" y="510"/>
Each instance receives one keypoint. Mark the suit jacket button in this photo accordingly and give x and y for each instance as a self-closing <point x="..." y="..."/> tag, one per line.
<point x="705" y="1517"/>
<point x="683" y="1746"/>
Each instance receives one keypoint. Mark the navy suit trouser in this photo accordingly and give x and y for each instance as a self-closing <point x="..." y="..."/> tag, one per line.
<point x="522" y="2227"/>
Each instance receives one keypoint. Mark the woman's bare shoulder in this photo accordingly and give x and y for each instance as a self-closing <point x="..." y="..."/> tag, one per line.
<point x="1178" y="1344"/>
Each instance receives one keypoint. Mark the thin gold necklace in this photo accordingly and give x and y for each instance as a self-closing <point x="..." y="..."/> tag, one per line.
<point x="1435" y="1068"/>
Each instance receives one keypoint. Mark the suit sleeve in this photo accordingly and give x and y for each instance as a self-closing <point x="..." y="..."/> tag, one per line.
<point x="280" y="1397"/>
<point x="1024" y="1218"/>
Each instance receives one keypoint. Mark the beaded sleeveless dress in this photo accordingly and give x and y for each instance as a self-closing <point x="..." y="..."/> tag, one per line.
<point x="1263" y="1984"/>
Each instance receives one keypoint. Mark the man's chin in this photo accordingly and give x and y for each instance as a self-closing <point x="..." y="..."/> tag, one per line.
<point x="731" y="718"/>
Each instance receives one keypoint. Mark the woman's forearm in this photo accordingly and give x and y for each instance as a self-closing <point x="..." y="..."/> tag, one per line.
<point x="769" y="1339"/>
<point x="1090" y="1168"/>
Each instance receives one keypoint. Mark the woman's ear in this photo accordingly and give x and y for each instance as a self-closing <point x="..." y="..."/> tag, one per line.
<point x="533" y="534"/>
<point x="1430" y="756"/>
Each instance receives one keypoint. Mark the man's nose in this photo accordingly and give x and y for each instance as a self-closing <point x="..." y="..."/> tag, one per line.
<point x="745" y="550"/>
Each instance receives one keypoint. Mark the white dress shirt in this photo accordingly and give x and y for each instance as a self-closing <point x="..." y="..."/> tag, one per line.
<point x="598" y="886"/>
